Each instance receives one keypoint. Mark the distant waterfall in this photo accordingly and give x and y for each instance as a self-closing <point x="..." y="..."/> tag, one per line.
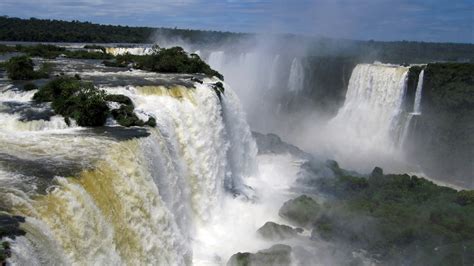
<point x="273" y="76"/>
<point x="419" y="89"/>
<point x="132" y="201"/>
<point x="371" y="117"/>
<point x="129" y="50"/>
<point x="296" y="79"/>
<point x="416" y="107"/>
<point x="216" y="60"/>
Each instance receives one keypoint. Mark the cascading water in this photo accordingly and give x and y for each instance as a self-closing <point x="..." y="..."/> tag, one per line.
<point x="296" y="79"/>
<point x="416" y="107"/>
<point x="371" y="121"/>
<point x="129" y="50"/>
<point x="419" y="90"/>
<point x="100" y="200"/>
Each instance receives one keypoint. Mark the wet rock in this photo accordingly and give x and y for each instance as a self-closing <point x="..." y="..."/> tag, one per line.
<point x="277" y="255"/>
<point x="271" y="143"/>
<point x="301" y="211"/>
<point x="274" y="231"/>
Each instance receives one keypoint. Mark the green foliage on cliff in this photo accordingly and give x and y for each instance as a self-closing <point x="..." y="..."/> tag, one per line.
<point x="75" y="99"/>
<point x="167" y="60"/>
<point x="442" y="136"/>
<point x="22" y="68"/>
<point x="450" y="85"/>
<point x="87" y="105"/>
<point x="397" y="216"/>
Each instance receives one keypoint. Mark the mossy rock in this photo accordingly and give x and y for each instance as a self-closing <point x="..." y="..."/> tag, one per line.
<point x="274" y="231"/>
<point x="119" y="98"/>
<point x="277" y="255"/>
<point x="465" y="197"/>
<point x="126" y="117"/>
<point x="302" y="210"/>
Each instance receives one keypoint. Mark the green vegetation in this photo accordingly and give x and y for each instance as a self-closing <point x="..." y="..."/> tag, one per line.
<point x="41" y="50"/>
<point x="395" y="217"/>
<point x="274" y="231"/>
<point x="300" y="210"/>
<point x="81" y="54"/>
<point x="87" y="105"/>
<point x="4" y="251"/>
<point x="45" y="30"/>
<point x="451" y="85"/>
<point x="49" y="51"/>
<point x="6" y="49"/>
<point x="441" y="138"/>
<point x="22" y="68"/>
<point x="167" y="60"/>
<point x="75" y="99"/>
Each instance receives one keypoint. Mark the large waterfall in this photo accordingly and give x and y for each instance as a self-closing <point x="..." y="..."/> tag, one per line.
<point x="90" y="197"/>
<point x="370" y="124"/>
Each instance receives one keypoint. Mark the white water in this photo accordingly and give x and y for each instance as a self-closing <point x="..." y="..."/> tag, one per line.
<point x="129" y="50"/>
<point x="142" y="201"/>
<point x="366" y="130"/>
<point x="296" y="79"/>
<point x="419" y="90"/>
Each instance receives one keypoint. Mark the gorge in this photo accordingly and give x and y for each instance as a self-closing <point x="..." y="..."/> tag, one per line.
<point x="201" y="188"/>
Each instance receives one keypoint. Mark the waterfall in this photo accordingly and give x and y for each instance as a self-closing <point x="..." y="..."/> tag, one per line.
<point x="273" y="76"/>
<point x="296" y="79"/>
<point x="216" y="60"/>
<point x="416" y="107"/>
<point x="419" y="89"/>
<point x="130" y="50"/>
<point x="100" y="200"/>
<point x="368" y="126"/>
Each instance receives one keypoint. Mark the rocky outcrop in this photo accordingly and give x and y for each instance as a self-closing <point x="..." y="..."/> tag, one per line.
<point x="277" y="255"/>
<point x="9" y="227"/>
<point x="441" y="139"/>
<point x="301" y="211"/>
<point x="274" y="231"/>
<point x="272" y="143"/>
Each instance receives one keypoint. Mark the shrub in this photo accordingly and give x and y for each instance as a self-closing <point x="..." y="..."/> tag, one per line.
<point x="75" y="99"/>
<point x="126" y="117"/>
<point x="22" y="68"/>
<point x="167" y="60"/>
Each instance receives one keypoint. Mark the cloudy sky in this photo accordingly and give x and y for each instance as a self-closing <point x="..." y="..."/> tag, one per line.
<point x="422" y="20"/>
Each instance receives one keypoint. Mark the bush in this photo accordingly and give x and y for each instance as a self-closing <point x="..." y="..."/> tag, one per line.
<point x="163" y="60"/>
<point x="388" y="215"/>
<point x="41" y="50"/>
<point x="22" y="68"/>
<point x="126" y="117"/>
<point x="80" y="54"/>
<point x="75" y="99"/>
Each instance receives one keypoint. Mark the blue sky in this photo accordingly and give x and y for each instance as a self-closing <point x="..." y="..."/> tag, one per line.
<point x="422" y="20"/>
